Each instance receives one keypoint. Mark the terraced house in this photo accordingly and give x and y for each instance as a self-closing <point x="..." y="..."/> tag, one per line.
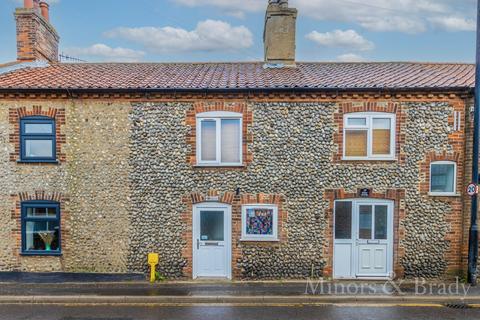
<point x="276" y="169"/>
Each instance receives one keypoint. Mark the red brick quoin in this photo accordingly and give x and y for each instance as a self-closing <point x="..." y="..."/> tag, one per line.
<point x="236" y="202"/>
<point x="16" y="114"/>
<point x="204" y="106"/>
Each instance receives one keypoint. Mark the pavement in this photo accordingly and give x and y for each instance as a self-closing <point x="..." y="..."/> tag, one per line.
<point x="403" y="293"/>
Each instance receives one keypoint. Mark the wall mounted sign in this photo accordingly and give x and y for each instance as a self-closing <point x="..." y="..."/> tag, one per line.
<point x="472" y="189"/>
<point x="212" y="198"/>
<point x="364" y="193"/>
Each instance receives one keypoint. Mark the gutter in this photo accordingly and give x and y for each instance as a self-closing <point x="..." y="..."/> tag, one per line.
<point x="146" y="91"/>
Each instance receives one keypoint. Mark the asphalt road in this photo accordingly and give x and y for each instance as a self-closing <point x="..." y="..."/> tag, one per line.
<point x="54" y="312"/>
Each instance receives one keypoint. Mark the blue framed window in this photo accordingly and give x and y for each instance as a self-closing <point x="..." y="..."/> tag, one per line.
<point x="40" y="228"/>
<point x="37" y="139"/>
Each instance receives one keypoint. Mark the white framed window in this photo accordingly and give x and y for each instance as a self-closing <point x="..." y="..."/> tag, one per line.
<point x="219" y="138"/>
<point x="259" y="222"/>
<point x="443" y="178"/>
<point x="369" y="136"/>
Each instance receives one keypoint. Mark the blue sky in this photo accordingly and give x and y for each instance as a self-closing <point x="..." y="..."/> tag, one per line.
<point x="231" y="30"/>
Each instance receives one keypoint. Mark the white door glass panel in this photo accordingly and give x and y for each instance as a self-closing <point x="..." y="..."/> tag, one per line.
<point x="343" y="220"/>
<point x="208" y="140"/>
<point x="230" y="136"/>
<point x="38" y="148"/>
<point x="365" y="222"/>
<point x="442" y="177"/>
<point x="211" y="226"/>
<point x="381" y="222"/>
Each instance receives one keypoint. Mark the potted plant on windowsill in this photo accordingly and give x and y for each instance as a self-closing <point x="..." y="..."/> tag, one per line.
<point x="47" y="238"/>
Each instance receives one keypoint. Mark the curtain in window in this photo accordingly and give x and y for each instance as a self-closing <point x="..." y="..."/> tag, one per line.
<point x="381" y="136"/>
<point x="230" y="140"/>
<point x="356" y="143"/>
<point x="209" y="140"/>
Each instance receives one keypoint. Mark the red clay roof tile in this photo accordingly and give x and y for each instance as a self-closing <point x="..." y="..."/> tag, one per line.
<point x="244" y="75"/>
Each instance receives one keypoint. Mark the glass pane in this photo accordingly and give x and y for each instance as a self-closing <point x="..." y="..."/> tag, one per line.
<point x="38" y="148"/>
<point x="41" y="235"/>
<point x="41" y="212"/>
<point x="381" y="214"/>
<point x="357" y="121"/>
<point x="46" y="128"/>
<point x="442" y="179"/>
<point x="211" y="225"/>
<point x="259" y="221"/>
<point x="209" y="140"/>
<point x="356" y="143"/>
<point x="381" y="136"/>
<point x="365" y="222"/>
<point x="231" y="140"/>
<point x="343" y="220"/>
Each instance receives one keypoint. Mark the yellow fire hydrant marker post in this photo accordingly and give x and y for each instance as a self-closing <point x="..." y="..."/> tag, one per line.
<point x="152" y="261"/>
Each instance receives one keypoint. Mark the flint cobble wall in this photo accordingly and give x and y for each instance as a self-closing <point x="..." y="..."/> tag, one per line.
<point x="93" y="180"/>
<point x="127" y="170"/>
<point x="293" y="148"/>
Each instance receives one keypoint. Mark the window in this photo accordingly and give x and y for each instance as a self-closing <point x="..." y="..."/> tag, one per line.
<point x="219" y="139"/>
<point x="260" y="223"/>
<point x="37" y="139"/>
<point x="443" y="178"/>
<point x="369" y="136"/>
<point x="40" y="228"/>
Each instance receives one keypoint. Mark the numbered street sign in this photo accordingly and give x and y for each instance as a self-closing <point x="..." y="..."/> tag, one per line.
<point x="472" y="189"/>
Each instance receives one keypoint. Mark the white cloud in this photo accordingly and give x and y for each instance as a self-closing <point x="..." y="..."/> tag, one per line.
<point x="103" y="52"/>
<point x="408" y="16"/>
<point x="350" y="57"/>
<point x="209" y="35"/>
<point x="450" y="23"/>
<point x="339" y="38"/>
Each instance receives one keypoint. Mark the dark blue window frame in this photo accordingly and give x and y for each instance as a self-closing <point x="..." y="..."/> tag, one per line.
<point x="40" y="204"/>
<point x="37" y="136"/>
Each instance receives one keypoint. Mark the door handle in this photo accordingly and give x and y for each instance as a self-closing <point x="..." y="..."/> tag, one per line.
<point x="198" y="244"/>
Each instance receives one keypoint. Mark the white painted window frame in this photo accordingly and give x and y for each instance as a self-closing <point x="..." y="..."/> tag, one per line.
<point x="217" y="116"/>
<point x="258" y="237"/>
<point x="369" y="128"/>
<point x="444" y="194"/>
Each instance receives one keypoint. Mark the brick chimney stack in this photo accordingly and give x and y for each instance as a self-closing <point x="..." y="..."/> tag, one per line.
<point x="279" y="33"/>
<point x="37" y="39"/>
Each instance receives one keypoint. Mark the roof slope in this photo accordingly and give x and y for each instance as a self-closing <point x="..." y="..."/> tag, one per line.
<point x="247" y="75"/>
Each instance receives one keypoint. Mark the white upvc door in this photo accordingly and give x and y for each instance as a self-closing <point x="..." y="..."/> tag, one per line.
<point x="212" y="241"/>
<point x="363" y="245"/>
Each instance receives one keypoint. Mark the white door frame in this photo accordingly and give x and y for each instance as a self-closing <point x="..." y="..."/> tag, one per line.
<point x="354" y="229"/>
<point x="227" y="209"/>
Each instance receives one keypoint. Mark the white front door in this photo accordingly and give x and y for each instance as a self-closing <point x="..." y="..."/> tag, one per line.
<point x="363" y="245"/>
<point x="211" y="241"/>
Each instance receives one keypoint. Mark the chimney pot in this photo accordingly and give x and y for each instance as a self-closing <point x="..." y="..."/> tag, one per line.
<point x="28" y="4"/>
<point x="44" y="7"/>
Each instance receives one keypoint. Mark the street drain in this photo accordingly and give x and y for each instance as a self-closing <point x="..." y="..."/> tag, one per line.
<point x="459" y="305"/>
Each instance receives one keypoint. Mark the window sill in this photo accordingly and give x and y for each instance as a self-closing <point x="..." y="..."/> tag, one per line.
<point x="258" y="240"/>
<point x="440" y="194"/>
<point x="52" y="162"/>
<point x="369" y="159"/>
<point x="219" y="166"/>
<point x="41" y="254"/>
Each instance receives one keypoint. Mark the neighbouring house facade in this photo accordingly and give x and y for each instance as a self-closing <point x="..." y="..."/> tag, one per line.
<point x="258" y="170"/>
